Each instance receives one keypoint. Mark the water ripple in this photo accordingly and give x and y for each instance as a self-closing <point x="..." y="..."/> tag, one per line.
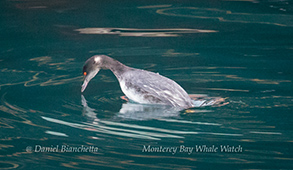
<point x="128" y="129"/>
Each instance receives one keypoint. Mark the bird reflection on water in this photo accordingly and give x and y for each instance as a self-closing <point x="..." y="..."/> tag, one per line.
<point x="135" y="111"/>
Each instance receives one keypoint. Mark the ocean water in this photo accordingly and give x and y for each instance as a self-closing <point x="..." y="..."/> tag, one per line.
<point x="237" y="51"/>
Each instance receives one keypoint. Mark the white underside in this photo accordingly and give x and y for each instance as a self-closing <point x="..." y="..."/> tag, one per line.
<point x="132" y="94"/>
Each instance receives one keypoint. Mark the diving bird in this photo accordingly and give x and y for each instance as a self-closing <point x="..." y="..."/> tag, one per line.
<point x="138" y="85"/>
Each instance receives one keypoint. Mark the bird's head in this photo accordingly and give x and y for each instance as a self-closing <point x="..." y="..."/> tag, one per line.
<point x="90" y="69"/>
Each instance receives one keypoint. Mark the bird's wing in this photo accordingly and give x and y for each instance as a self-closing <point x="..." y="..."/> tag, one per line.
<point x="157" y="86"/>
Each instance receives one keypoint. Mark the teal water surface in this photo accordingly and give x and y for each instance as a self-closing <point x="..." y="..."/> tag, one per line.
<point x="236" y="51"/>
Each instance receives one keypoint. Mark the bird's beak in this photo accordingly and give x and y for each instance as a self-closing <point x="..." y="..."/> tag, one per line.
<point x="85" y="83"/>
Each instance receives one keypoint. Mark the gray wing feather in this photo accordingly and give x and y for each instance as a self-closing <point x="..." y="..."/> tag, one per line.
<point x="159" y="88"/>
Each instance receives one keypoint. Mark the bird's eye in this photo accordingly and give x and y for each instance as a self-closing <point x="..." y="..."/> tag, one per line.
<point x="84" y="73"/>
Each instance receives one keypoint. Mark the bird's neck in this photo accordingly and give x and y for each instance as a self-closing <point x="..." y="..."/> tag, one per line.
<point x="115" y="66"/>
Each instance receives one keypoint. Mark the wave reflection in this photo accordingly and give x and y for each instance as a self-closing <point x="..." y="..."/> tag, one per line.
<point x="134" y="32"/>
<point x="228" y="16"/>
<point x="46" y="76"/>
<point x="132" y="130"/>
